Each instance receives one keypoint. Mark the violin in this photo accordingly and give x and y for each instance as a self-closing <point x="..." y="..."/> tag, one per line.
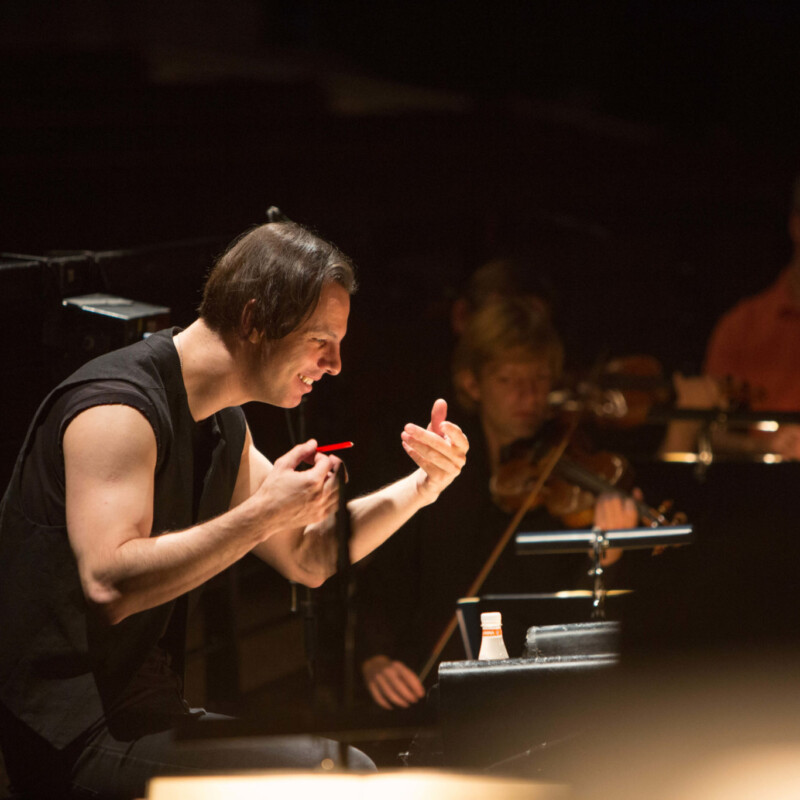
<point x="577" y="476"/>
<point x="634" y="390"/>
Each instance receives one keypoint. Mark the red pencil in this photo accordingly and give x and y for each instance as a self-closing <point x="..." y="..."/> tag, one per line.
<point x="327" y="448"/>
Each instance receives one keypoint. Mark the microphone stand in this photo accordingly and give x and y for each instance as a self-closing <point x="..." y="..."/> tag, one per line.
<point x="346" y="595"/>
<point x="309" y="602"/>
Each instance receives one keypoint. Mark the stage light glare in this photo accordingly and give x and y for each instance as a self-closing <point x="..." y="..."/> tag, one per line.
<point x="419" y="784"/>
<point x="765" y="772"/>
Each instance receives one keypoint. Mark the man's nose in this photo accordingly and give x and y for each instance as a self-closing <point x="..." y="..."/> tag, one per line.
<point x="332" y="360"/>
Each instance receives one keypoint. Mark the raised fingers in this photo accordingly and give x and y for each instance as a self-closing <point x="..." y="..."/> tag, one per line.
<point x="438" y="416"/>
<point x="456" y="436"/>
<point x="452" y="445"/>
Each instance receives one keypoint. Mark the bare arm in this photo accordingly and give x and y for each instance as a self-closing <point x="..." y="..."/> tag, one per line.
<point x="310" y="555"/>
<point x="109" y="459"/>
<point x="440" y="452"/>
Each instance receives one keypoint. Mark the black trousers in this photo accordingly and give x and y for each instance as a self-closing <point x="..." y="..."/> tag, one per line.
<point x="116" y="766"/>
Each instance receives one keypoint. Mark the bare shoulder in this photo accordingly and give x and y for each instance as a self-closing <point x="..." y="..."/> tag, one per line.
<point x="109" y="466"/>
<point x="109" y="437"/>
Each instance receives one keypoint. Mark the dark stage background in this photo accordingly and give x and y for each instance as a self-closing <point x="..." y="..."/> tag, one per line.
<point x="639" y="154"/>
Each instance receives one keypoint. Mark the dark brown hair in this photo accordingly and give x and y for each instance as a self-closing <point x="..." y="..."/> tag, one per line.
<point x="283" y="267"/>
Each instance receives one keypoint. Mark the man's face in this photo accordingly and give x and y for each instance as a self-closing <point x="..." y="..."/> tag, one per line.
<point x="512" y="395"/>
<point x="289" y="367"/>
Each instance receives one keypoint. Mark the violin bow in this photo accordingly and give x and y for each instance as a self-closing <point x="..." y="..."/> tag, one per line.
<point x="549" y="466"/>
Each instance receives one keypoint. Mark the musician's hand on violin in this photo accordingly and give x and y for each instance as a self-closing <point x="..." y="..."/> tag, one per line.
<point x="440" y="451"/>
<point x="391" y="683"/>
<point x="615" y="511"/>
<point x="697" y="392"/>
<point x="786" y="442"/>
<point x="701" y="391"/>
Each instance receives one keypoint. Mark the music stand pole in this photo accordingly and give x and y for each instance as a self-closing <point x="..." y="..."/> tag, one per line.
<point x="599" y="547"/>
<point x="572" y="541"/>
<point x="344" y="568"/>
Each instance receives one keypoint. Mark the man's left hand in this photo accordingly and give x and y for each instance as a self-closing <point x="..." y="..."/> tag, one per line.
<point x="440" y="451"/>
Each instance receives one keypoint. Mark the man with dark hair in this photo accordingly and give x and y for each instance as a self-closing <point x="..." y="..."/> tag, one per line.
<point x="139" y="481"/>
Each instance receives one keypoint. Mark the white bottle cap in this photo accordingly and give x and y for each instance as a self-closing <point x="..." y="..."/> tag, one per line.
<point x="491" y="619"/>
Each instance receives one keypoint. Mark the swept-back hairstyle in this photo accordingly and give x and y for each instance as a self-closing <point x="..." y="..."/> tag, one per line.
<point x="497" y="330"/>
<point x="280" y="265"/>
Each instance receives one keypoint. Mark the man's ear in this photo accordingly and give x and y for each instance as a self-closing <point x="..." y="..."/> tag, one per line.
<point x="247" y="329"/>
<point x="467" y="381"/>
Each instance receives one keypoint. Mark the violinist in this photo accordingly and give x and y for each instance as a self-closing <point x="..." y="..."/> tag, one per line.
<point x="139" y="482"/>
<point x="506" y="362"/>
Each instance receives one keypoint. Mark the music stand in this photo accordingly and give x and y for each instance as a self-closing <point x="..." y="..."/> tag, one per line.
<point x="598" y="542"/>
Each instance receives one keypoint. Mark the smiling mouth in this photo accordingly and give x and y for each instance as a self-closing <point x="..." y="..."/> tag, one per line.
<point x="306" y="381"/>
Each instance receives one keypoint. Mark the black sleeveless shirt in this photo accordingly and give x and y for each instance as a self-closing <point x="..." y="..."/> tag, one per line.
<point x="61" y="668"/>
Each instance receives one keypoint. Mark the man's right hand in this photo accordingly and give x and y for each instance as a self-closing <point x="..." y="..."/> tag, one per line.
<point x="295" y="498"/>
<point x="391" y="683"/>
